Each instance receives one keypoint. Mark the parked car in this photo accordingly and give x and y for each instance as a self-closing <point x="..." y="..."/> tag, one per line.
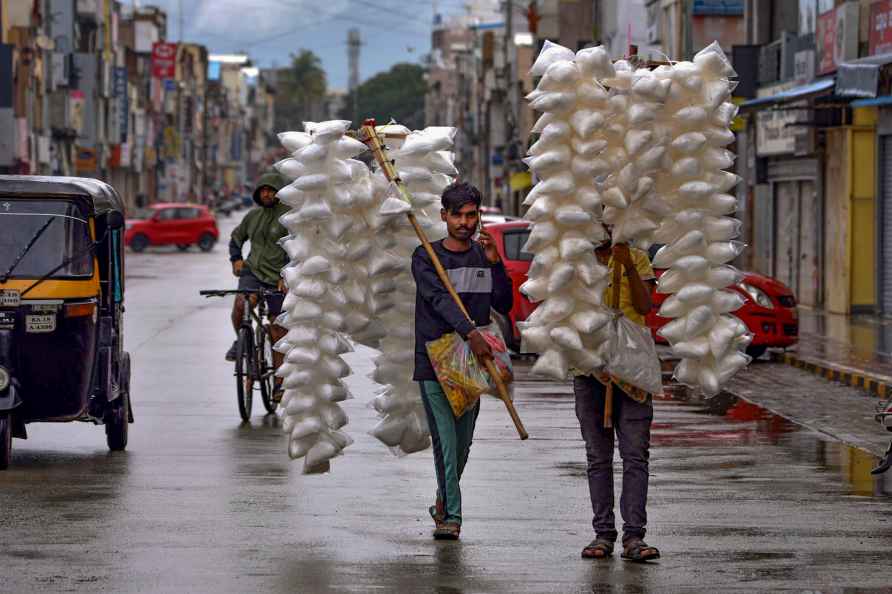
<point x="510" y="238"/>
<point x="227" y="206"/>
<point x="182" y="225"/>
<point x="769" y="309"/>
<point x="491" y="218"/>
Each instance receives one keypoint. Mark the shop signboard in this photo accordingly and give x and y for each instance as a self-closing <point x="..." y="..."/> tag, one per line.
<point x="164" y="59"/>
<point x="804" y="66"/>
<point x="773" y="135"/>
<point x="837" y="37"/>
<point x="86" y="159"/>
<point x="880" y="41"/>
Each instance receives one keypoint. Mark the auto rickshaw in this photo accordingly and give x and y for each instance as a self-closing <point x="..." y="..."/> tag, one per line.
<point x="61" y="307"/>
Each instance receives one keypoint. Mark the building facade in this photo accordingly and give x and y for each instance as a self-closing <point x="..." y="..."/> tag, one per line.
<point x="94" y="88"/>
<point x="815" y="151"/>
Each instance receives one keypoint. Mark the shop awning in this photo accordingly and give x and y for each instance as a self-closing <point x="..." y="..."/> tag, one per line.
<point x="873" y="102"/>
<point x="860" y="78"/>
<point x="812" y="89"/>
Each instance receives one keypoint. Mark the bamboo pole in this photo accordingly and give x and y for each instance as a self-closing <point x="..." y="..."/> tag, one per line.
<point x="371" y="138"/>
<point x="614" y="302"/>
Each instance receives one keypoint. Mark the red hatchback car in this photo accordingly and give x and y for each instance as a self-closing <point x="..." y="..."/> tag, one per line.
<point x="177" y="224"/>
<point x="769" y="310"/>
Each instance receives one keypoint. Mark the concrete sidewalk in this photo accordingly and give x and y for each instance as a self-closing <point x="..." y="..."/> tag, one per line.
<point x="853" y="350"/>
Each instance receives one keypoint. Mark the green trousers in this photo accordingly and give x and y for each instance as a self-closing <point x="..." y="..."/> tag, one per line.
<point x="451" y="439"/>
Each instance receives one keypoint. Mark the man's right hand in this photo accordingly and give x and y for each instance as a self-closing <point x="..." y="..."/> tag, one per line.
<point x="479" y="346"/>
<point x="237" y="267"/>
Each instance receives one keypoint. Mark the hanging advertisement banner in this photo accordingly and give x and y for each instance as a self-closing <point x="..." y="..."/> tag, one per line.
<point x="825" y="40"/>
<point x="122" y="102"/>
<point x="880" y="28"/>
<point x="76" y="101"/>
<point x="836" y="39"/>
<point x="164" y="59"/>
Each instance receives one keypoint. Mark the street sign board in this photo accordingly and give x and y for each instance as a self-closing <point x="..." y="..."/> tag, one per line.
<point x="164" y="59"/>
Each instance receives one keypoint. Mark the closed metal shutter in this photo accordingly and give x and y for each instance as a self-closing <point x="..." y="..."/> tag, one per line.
<point x="786" y="218"/>
<point x="885" y="264"/>
<point x="797" y="228"/>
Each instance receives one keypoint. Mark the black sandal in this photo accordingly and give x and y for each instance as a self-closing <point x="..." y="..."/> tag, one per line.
<point x="635" y="549"/>
<point x="600" y="548"/>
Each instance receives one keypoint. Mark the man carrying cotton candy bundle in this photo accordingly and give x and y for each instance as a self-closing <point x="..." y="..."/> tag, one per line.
<point x="478" y="276"/>
<point x="632" y="415"/>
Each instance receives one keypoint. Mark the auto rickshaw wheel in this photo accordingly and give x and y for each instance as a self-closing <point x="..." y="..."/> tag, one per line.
<point x="756" y="351"/>
<point x="116" y="425"/>
<point x="5" y="440"/>
<point x="139" y="243"/>
<point x="117" y="419"/>
<point x="206" y="242"/>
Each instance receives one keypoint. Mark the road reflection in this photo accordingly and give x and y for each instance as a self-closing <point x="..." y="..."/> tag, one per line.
<point x="745" y="423"/>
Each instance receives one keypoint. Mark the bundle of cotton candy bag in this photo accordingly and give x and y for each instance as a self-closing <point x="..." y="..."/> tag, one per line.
<point x="320" y="302"/>
<point x="698" y="231"/>
<point x="424" y="162"/>
<point x="575" y="147"/>
<point x="632" y="203"/>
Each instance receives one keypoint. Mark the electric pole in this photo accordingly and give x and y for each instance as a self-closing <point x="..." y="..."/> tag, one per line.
<point x="354" y="43"/>
<point x="511" y="128"/>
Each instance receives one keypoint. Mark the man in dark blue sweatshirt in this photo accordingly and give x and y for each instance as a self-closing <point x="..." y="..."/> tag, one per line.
<point x="476" y="272"/>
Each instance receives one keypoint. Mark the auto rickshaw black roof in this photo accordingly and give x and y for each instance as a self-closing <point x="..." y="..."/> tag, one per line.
<point x="104" y="197"/>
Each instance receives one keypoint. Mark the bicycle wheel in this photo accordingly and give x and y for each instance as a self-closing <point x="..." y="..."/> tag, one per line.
<point x="266" y="369"/>
<point x="244" y="383"/>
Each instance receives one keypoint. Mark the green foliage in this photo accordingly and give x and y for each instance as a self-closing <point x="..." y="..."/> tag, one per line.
<point x="300" y="91"/>
<point x="397" y="94"/>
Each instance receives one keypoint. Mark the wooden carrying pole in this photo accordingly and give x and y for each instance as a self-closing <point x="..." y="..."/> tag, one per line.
<point x="614" y="302"/>
<point x="371" y="138"/>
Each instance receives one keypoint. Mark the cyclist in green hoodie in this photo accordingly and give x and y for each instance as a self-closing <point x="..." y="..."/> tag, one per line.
<point x="266" y="259"/>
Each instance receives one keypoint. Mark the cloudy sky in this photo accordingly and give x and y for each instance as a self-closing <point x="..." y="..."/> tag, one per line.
<point x="269" y="30"/>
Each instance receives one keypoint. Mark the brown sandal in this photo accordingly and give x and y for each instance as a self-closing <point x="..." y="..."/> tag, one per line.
<point x="599" y="548"/>
<point x="447" y="531"/>
<point x="437" y="512"/>
<point x="635" y="549"/>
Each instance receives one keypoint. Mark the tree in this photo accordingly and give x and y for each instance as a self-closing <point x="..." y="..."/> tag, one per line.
<point x="397" y="93"/>
<point x="301" y="91"/>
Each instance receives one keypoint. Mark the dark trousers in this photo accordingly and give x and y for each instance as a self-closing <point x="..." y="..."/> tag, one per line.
<point x="631" y="425"/>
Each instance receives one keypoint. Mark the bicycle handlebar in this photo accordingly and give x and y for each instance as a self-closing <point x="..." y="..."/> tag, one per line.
<point x="225" y="292"/>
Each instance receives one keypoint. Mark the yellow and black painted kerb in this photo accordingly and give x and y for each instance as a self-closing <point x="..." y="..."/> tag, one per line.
<point x="828" y="371"/>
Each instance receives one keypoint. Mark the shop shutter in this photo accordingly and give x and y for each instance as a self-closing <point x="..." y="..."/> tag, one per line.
<point x="885" y="264"/>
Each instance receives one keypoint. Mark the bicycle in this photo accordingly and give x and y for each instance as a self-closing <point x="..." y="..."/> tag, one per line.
<point x="254" y="351"/>
<point x="884" y="416"/>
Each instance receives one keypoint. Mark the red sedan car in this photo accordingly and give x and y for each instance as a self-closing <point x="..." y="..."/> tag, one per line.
<point x="182" y="225"/>
<point x="769" y="310"/>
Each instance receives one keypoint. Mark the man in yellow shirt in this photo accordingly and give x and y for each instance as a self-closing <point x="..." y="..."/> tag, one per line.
<point x="632" y="418"/>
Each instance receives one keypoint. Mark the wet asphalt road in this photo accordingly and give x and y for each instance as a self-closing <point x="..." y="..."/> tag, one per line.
<point x="740" y="500"/>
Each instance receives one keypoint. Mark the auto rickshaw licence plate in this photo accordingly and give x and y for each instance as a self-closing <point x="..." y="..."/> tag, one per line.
<point x="40" y="323"/>
<point x="9" y="298"/>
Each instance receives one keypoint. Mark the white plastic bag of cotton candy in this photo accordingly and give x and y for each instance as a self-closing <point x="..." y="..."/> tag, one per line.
<point x="632" y="356"/>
